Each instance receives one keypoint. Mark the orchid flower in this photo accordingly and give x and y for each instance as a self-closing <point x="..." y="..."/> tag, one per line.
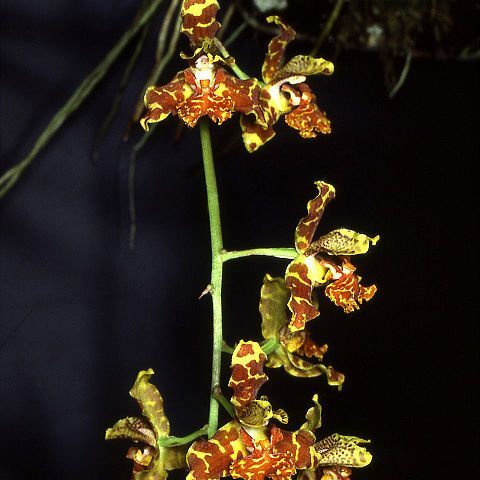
<point x="252" y="448"/>
<point x="150" y="461"/>
<point x="285" y="93"/>
<point x="317" y="264"/>
<point x="205" y="87"/>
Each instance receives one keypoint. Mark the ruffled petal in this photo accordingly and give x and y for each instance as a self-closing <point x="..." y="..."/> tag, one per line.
<point x="204" y="89"/>
<point x="307" y="118"/>
<point x="308" y="225"/>
<point x="245" y="95"/>
<point x="276" y="49"/>
<point x="162" y="101"/>
<point x="300" y="445"/>
<point x="346" y="291"/>
<point x="265" y="460"/>
<point x="199" y="20"/>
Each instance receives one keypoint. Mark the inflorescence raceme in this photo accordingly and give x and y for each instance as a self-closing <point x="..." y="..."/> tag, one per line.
<point x="252" y="446"/>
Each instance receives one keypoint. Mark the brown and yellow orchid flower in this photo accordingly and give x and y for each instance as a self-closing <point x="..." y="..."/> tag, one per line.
<point x="294" y="347"/>
<point x="317" y="264"/>
<point x="151" y="461"/>
<point x="205" y="88"/>
<point x="285" y="93"/>
<point x="212" y="459"/>
<point x="252" y="448"/>
<point x="264" y="459"/>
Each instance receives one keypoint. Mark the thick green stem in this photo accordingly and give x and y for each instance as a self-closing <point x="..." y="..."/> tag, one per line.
<point x="217" y="267"/>
<point x="289" y="253"/>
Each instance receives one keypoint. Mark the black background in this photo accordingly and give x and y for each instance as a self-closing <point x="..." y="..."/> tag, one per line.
<point x="81" y="314"/>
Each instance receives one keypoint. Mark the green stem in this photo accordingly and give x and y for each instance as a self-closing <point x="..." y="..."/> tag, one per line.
<point x="217" y="268"/>
<point x="289" y="253"/>
<point x="223" y="401"/>
<point x="177" y="441"/>
<point x="270" y="346"/>
<point x="224" y="52"/>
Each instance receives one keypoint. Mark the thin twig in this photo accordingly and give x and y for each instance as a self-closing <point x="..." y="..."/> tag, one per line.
<point x="227" y="18"/>
<point x="141" y="143"/>
<point x="121" y="88"/>
<point x="328" y="27"/>
<point x="11" y="176"/>
<point x="132" y="161"/>
<point x="403" y="75"/>
<point x="234" y="35"/>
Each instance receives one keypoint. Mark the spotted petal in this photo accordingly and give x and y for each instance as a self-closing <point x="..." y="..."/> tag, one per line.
<point x="191" y="96"/>
<point x="304" y="65"/>
<point x="300" y="445"/>
<point x="161" y="101"/>
<point x="302" y="275"/>
<point x="342" y="241"/>
<point x="346" y="291"/>
<point x="211" y="459"/>
<point x="247" y="375"/>
<point x="265" y="460"/>
<point x="276" y="49"/>
<point x="253" y="134"/>
<point x="342" y="450"/>
<point x="307" y="226"/>
<point x="199" y="20"/>
<point x="307" y="118"/>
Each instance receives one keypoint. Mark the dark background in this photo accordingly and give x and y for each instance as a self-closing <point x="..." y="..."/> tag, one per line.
<point x="81" y="314"/>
